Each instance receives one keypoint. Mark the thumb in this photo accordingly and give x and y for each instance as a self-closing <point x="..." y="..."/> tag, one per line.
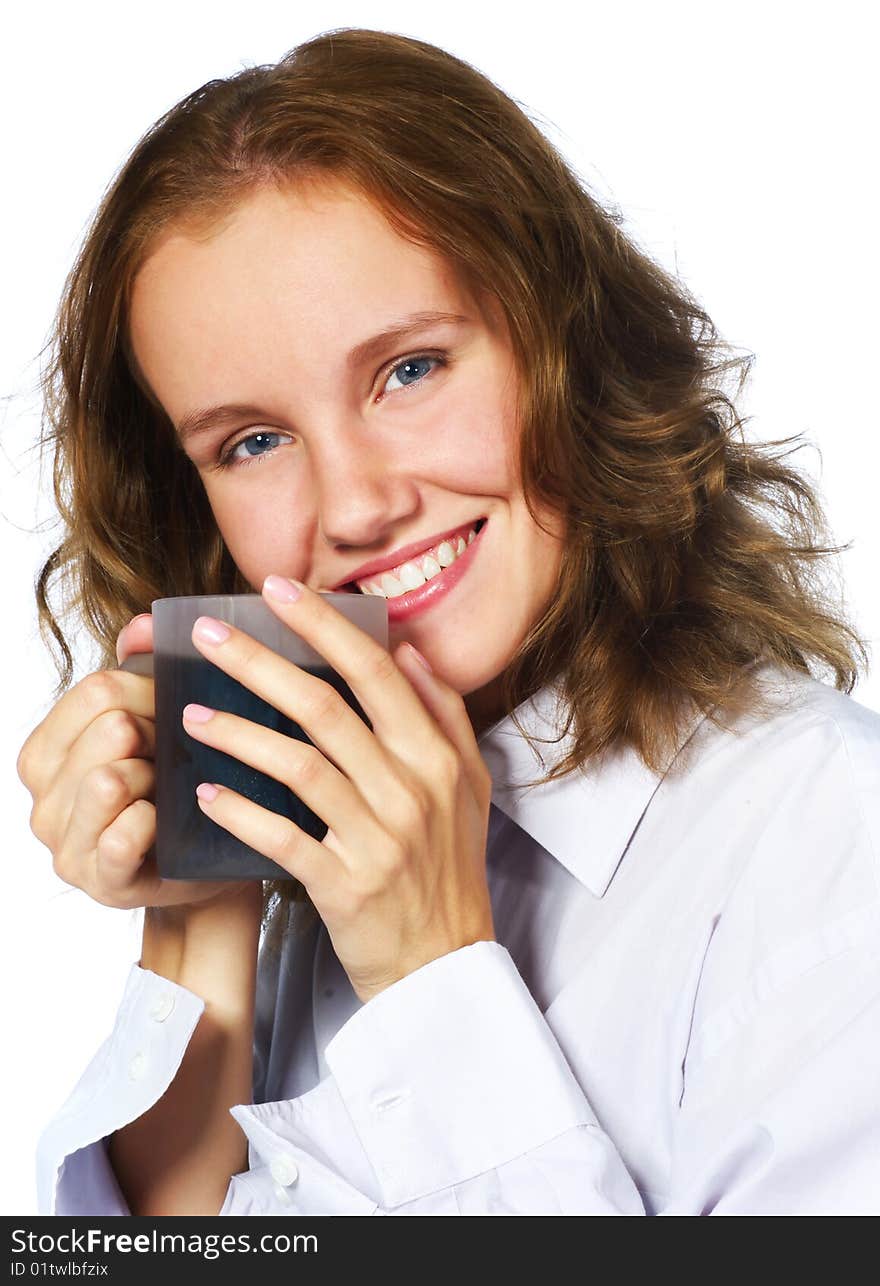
<point x="136" y="636"/>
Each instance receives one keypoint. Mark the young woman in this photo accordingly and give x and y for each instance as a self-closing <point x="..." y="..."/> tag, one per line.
<point x="350" y="322"/>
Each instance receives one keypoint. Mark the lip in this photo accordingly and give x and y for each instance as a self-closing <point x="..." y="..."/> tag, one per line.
<point x="405" y="554"/>
<point x="425" y="596"/>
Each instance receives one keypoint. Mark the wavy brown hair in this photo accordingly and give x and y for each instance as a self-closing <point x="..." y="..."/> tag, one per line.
<point x="690" y="552"/>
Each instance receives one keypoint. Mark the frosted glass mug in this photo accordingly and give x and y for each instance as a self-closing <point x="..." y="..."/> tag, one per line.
<point x="189" y="846"/>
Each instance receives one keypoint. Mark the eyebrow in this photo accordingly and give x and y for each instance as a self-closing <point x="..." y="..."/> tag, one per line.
<point x="211" y="417"/>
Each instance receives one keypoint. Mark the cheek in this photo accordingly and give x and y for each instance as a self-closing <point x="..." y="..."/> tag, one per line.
<point x="547" y="550"/>
<point x="476" y="437"/>
<point x="254" y="542"/>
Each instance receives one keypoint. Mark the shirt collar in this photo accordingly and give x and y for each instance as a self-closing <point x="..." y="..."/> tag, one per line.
<point x="585" y="819"/>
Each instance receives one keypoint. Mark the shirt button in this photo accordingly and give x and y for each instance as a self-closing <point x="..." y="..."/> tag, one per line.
<point x="137" y="1066"/>
<point x="284" y="1170"/>
<point x="162" y="1006"/>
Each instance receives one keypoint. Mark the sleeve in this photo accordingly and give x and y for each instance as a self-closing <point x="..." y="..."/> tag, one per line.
<point x="403" y="1124"/>
<point x="129" y="1073"/>
<point x="448" y="1094"/>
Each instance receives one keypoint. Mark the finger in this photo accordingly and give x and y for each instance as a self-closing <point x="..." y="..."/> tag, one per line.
<point x="103" y="794"/>
<point x="296" y="764"/>
<point x="276" y="837"/>
<point x="43" y="753"/>
<point x="121" y="856"/>
<point x="114" y="735"/>
<point x="136" y="636"/>
<point x="124" y="878"/>
<point x="316" y="706"/>
<point x="449" y="710"/>
<point x="382" y="689"/>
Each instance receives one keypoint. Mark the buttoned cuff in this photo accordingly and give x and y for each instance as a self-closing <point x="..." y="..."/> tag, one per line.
<point x="453" y="1071"/>
<point x="304" y="1158"/>
<point x="129" y="1073"/>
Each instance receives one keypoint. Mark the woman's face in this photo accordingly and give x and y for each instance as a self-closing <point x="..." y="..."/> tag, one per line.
<point x="317" y="458"/>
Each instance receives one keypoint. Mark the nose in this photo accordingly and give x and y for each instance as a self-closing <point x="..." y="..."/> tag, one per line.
<point x="361" y="493"/>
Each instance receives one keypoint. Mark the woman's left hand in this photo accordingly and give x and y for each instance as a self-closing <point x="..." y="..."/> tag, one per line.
<point x="400" y="877"/>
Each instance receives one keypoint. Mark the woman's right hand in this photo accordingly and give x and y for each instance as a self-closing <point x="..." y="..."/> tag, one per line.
<point x="89" y="768"/>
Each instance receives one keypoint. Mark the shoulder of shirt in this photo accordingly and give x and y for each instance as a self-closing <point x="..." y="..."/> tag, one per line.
<point x="799" y="890"/>
<point x="804" y="719"/>
<point x="587" y="818"/>
<point x="856" y="728"/>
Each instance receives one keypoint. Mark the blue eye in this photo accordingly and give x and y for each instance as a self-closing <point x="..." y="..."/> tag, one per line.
<point x="257" y="446"/>
<point x="409" y="369"/>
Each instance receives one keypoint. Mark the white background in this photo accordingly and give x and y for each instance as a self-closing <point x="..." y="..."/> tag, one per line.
<point x="737" y="138"/>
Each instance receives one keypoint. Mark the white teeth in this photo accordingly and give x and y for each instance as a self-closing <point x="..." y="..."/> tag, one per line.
<point x="413" y="574"/>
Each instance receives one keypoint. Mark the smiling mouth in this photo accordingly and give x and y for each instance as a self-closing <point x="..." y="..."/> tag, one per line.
<point x="396" y="582"/>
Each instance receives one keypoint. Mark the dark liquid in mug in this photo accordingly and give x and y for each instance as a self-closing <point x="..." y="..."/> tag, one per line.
<point x="189" y="846"/>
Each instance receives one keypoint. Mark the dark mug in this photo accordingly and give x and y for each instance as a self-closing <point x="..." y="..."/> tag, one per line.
<point x="189" y="845"/>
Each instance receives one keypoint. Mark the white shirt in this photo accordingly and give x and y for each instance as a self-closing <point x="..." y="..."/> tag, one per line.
<point x="681" y="1013"/>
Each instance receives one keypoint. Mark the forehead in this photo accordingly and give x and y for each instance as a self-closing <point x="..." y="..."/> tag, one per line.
<point x="286" y="272"/>
<point x="322" y="245"/>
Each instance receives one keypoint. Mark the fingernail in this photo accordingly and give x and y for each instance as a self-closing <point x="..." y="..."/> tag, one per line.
<point x="207" y="630"/>
<point x="282" y="589"/>
<point x="194" y="713"/>
<point x="207" y="792"/>
<point x="417" y="654"/>
<point x="126" y="627"/>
